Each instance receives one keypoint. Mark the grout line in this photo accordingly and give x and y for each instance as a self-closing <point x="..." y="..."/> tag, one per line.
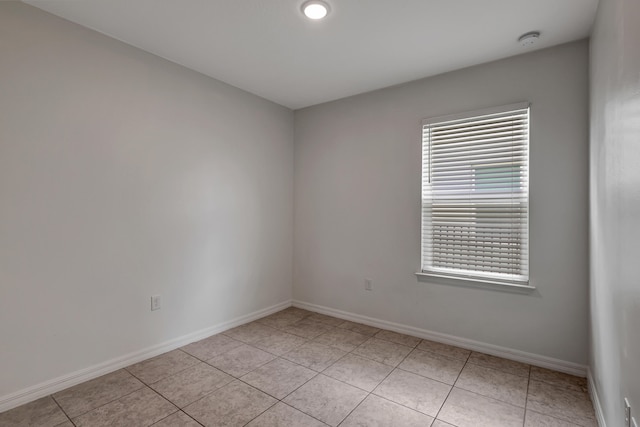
<point x="526" y="399"/>
<point x="63" y="411"/>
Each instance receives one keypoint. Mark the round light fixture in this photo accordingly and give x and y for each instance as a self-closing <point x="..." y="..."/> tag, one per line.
<point x="315" y="9"/>
<point x="529" y="38"/>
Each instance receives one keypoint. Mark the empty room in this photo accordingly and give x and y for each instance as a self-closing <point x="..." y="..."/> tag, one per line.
<point x="320" y="213"/>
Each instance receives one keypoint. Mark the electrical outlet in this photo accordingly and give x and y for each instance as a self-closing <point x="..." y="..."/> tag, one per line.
<point x="627" y="413"/>
<point x="155" y="302"/>
<point x="368" y="284"/>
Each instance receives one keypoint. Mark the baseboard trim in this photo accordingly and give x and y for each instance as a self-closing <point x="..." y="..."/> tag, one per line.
<point x="46" y="388"/>
<point x="595" y="399"/>
<point x="504" y="352"/>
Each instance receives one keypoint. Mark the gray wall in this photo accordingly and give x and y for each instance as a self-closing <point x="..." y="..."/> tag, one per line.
<point x="615" y="207"/>
<point x="123" y="175"/>
<point x="357" y="205"/>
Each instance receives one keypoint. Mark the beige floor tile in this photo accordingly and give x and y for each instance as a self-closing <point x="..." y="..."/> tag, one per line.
<point x="91" y="394"/>
<point x="376" y="411"/>
<point x="191" y="384"/>
<point x="433" y="366"/>
<point x="281" y="415"/>
<point x="211" y="347"/>
<point x="323" y="318"/>
<point x="314" y="355"/>
<point x="561" y="402"/>
<point x="241" y="360"/>
<point x="41" y="412"/>
<point x="342" y="339"/>
<point x="279" y="342"/>
<point x="307" y="328"/>
<point x="359" y="328"/>
<point x="250" y="333"/>
<point x="232" y="405"/>
<point x="559" y="379"/>
<point x="279" y="377"/>
<point x="495" y="384"/>
<point x="326" y="399"/>
<point x="358" y="371"/>
<point x="440" y="423"/>
<point x="281" y="319"/>
<point x="65" y="424"/>
<point x="444" y="350"/>
<point x="153" y="370"/>
<point x="534" y="419"/>
<point x="414" y="391"/>
<point x="466" y="409"/>
<point x="493" y="362"/>
<point x="397" y="338"/>
<point x="383" y="351"/>
<point x="140" y="408"/>
<point x="179" y="419"/>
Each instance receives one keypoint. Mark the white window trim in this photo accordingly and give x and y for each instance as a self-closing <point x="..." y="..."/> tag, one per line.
<point x="472" y="280"/>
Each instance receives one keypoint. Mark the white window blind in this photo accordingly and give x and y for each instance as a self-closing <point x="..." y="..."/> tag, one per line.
<point x="475" y="195"/>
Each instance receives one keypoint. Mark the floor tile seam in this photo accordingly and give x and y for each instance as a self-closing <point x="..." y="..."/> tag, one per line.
<point x="526" y="399"/>
<point x="500" y="370"/>
<point x="201" y="397"/>
<point x="271" y="406"/>
<point x="444" y="402"/>
<point x="301" y="411"/>
<point x="551" y="416"/>
<point x="355" y="407"/>
<point x="403" y="405"/>
<point x="248" y="372"/>
<point x="62" y="409"/>
<point x="163" y="378"/>
<point x="205" y="360"/>
<point x="287" y="395"/>
<point x="492" y="397"/>
<point x="369" y="358"/>
<point x="179" y="410"/>
<point x="275" y="354"/>
<point x="424" y="376"/>
<point x="100" y="406"/>
<point x="571" y="421"/>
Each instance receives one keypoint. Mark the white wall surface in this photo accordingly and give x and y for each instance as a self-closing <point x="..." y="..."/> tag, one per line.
<point x="615" y="207"/>
<point x="123" y="175"/>
<point x="357" y="205"/>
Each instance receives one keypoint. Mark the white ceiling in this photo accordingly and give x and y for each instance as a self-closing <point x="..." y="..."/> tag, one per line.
<point x="267" y="47"/>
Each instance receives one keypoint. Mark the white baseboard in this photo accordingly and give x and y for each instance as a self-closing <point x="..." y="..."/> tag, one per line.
<point x="595" y="399"/>
<point x="65" y="381"/>
<point x="506" y="353"/>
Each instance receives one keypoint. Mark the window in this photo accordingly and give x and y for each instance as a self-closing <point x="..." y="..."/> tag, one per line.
<point x="475" y="196"/>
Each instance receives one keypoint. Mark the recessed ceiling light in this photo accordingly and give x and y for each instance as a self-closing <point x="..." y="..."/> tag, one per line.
<point x="315" y="9"/>
<point x="529" y="38"/>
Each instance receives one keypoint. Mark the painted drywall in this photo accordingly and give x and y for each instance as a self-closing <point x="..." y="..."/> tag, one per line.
<point x="357" y="205"/>
<point x="122" y="176"/>
<point x="615" y="208"/>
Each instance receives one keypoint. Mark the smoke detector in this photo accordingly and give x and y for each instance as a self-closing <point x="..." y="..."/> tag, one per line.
<point x="529" y="39"/>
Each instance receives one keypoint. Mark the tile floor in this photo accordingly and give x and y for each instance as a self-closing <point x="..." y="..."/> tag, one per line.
<point x="298" y="368"/>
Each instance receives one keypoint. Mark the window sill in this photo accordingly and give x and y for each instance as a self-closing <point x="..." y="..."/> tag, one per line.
<point x="469" y="282"/>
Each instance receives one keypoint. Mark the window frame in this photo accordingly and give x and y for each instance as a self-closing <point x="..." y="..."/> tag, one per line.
<point x="488" y="279"/>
